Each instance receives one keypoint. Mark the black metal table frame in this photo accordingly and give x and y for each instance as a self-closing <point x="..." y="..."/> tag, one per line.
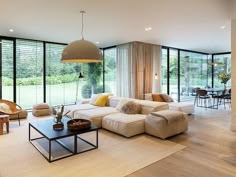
<point x="72" y="153"/>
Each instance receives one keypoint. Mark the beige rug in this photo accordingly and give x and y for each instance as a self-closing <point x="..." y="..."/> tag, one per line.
<point x="116" y="156"/>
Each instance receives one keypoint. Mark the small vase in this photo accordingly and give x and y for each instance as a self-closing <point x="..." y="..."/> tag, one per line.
<point x="224" y="86"/>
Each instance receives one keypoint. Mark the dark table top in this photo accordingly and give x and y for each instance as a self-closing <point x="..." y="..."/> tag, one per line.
<point x="45" y="127"/>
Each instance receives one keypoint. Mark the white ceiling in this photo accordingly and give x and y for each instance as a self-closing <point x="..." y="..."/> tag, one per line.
<point x="188" y="24"/>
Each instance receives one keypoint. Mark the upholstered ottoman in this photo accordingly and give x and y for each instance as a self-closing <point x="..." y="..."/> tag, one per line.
<point x="124" y="124"/>
<point x="166" y="123"/>
<point x="42" y="109"/>
<point x="187" y="108"/>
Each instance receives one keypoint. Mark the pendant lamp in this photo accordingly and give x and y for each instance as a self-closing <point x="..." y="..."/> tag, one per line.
<point x="81" y="51"/>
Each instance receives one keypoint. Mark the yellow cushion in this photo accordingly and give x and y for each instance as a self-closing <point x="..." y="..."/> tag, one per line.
<point x="157" y="97"/>
<point x="101" y="100"/>
<point x="5" y="108"/>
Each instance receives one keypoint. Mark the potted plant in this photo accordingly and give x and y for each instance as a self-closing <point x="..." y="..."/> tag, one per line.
<point x="224" y="78"/>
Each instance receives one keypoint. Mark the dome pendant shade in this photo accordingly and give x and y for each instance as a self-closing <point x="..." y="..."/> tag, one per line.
<point x="81" y="51"/>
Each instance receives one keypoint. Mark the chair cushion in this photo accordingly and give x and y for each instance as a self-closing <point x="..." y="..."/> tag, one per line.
<point x="5" y="108"/>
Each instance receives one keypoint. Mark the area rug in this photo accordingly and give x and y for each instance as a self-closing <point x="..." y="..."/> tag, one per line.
<point x="116" y="156"/>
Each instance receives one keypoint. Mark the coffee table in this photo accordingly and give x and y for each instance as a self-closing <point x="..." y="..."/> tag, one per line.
<point x="45" y="128"/>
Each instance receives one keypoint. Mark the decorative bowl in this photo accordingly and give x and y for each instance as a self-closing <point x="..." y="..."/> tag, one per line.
<point x="78" y="124"/>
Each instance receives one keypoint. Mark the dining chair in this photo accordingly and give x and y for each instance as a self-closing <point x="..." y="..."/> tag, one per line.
<point x="219" y="98"/>
<point x="227" y="98"/>
<point x="203" y="96"/>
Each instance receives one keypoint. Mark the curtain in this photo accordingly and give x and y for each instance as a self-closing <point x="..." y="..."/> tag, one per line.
<point x="125" y="71"/>
<point x="156" y="88"/>
<point x="142" y="54"/>
<point x="137" y="64"/>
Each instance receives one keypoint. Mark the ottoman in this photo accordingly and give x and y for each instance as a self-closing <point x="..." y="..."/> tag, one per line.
<point x="166" y="123"/>
<point x="187" y="108"/>
<point x="42" y="109"/>
<point x="127" y="125"/>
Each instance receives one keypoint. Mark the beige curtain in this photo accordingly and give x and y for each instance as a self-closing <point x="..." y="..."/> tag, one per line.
<point x="137" y="64"/>
<point x="143" y="57"/>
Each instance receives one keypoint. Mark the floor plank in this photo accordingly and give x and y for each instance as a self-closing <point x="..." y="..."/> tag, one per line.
<point x="210" y="152"/>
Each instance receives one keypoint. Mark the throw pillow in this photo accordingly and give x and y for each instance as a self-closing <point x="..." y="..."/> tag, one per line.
<point x="101" y="100"/>
<point x="166" y="97"/>
<point x="129" y="107"/>
<point x="157" y="97"/>
<point x="93" y="99"/>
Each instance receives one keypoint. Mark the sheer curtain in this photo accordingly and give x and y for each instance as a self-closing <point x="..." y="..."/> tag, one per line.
<point x="125" y="71"/>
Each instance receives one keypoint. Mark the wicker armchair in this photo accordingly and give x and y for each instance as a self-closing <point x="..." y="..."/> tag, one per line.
<point x="10" y="108"/>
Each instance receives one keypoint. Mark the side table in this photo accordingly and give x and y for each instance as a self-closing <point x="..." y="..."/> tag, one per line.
<point x="4" y="119"/>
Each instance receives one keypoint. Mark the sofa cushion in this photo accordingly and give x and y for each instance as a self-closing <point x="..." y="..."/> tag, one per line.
<point x="150" y="106"/>
<point x="157" y="97"/>
<point x="95" y="115"/>
<point x="187" y="108"/>
<point x="113" y="101"/>
<point x="77" y="107"/>
<point x="124" y="124"/>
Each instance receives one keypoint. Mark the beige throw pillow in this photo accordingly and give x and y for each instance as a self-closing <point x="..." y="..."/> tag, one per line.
<point x="166" y="98"/>
<point x="128" y="107"/>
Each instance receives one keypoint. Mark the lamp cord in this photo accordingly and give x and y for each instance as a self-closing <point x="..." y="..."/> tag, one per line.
<point x="82" y="28"/>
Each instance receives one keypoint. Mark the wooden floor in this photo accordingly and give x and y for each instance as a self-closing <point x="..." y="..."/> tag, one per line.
<point x="210" y="151"/>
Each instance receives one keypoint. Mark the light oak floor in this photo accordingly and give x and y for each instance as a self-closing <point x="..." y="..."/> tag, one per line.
<point x="210" y="151"/>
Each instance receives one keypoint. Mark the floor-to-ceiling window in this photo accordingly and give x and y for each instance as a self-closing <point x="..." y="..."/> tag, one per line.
<point x="221" y="63"/>
<point x="164" y="69"/>
<point x="183" y="71"/>
<point x="29" y="73"/>
<point x="32" y="72"/>
<point x="7" y="69"/>
<point x="61" y="78"/>
<point x="195" y="70"/>
<point x="173" y="73"/>
<point x="110" y="70"/>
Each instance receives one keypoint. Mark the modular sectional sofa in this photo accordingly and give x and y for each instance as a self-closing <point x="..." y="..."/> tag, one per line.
<point x="112" y="119"/>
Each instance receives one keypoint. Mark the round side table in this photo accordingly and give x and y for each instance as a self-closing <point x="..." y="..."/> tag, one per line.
<point x="4" y="119"/>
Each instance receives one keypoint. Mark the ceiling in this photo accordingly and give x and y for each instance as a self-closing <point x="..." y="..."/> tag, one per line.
<point x="187" y="24"/>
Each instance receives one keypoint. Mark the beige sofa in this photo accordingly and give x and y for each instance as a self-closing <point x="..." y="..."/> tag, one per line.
<point x="110" y="118"/>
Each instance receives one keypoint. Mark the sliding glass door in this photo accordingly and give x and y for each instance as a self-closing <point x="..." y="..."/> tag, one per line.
<point x="195" y="70"/>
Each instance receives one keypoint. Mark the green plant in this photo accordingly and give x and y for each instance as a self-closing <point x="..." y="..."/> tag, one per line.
<point x="224" y="77"/>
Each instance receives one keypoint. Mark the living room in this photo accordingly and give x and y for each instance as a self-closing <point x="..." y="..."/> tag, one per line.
<point x="189" y="44"/>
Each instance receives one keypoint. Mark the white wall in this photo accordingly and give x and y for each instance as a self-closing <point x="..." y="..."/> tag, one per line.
<point x="233" y="74"/>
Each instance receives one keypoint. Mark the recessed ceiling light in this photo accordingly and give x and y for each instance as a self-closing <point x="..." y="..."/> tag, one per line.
<point x="223" y="27"/>
<point x="97" y="42"/>
<point x="148" y="28"/>
<point x="11" y="30"/>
